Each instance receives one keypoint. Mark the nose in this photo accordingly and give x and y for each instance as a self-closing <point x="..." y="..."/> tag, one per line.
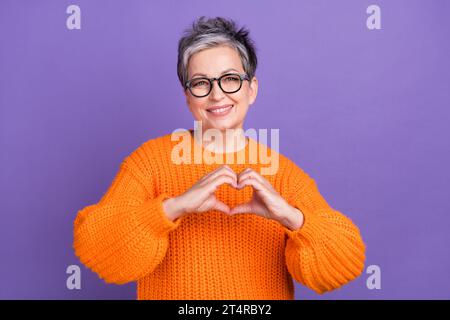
<point x="216" y="92"/>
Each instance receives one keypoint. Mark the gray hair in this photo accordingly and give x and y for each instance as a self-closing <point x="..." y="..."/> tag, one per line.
<point x="207" y="33"/>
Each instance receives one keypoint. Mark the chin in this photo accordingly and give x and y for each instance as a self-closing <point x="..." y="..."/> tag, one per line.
<point x="223" y="126"/>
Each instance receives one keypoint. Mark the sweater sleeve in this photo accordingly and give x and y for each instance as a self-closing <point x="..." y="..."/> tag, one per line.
<point x="124" y="236"/>
<point x="327" y="251"/>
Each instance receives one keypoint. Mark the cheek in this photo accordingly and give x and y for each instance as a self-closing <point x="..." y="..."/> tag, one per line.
<point x="243" y="109"/>
<point x="196" y="105"/>
<point x="242" y="102"/>
<point x="242" y="99"/>
<point x="243" y="95"/>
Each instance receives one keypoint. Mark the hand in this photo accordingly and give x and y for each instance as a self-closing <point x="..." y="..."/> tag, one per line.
<point x="200" y="197"/>
<point x="266" y="201"/>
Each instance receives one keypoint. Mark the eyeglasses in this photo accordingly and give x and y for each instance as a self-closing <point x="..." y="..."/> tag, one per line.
<point x="228" y="83"/>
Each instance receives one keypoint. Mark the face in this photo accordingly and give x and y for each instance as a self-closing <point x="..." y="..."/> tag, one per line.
<point x="214" y="62"/>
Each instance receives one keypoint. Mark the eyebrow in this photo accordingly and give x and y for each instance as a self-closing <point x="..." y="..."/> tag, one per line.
<point x="223" y="72"/>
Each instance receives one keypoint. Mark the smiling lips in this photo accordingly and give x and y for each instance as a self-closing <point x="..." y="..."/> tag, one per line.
<point x="220" y="110"/>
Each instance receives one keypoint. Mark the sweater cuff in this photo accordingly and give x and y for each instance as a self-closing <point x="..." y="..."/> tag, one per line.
<point x="309" y="228"/>
<point x="153" y="216"/>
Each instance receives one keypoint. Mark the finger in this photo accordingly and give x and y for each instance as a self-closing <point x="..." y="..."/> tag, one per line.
<point x="250" y="173"/>
<point x="244" y="172"/>
<point x="254" y="183"/>
<point x="220" y="206"/>
<point x="223" y="170"/>
<point x="242" y="208"/>
<point x="210" y="173"/>
<point x="214" y="184"/>
<point x="223" y="173"/>
<point x="205" y="189"/>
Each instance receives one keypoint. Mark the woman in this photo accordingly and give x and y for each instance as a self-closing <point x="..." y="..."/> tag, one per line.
<point x="216" y="230"/>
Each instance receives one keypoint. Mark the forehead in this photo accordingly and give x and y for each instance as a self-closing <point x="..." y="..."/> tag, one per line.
<point x="213" y="61"/>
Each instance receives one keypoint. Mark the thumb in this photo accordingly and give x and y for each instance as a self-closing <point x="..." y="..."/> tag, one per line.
<point x="220" y="206"/>
<point x="242" y="208"/>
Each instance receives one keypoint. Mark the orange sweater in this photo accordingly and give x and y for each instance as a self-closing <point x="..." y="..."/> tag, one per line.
<point x="126" y="236"/>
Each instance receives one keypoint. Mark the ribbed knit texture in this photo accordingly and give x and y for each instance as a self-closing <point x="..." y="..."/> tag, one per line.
<point x="127" y="236"/>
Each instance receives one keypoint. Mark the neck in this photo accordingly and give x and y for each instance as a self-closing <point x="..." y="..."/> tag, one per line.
<point x="221" y="141"/>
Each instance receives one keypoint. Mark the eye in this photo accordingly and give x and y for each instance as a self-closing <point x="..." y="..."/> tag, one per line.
<point x="231" y="78"/>
<point x="198" y="83"/>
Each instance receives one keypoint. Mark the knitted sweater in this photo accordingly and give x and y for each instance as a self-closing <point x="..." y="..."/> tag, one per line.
<point x="127" y="236"/>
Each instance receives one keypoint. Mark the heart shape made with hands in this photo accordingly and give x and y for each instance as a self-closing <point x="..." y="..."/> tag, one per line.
<point x="264" y="201"/>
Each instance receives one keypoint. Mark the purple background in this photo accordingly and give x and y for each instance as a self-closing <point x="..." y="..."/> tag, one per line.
<point x="364" y="112"/>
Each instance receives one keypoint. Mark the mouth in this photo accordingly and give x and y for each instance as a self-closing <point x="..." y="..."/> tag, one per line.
<point x="220" y="111"/>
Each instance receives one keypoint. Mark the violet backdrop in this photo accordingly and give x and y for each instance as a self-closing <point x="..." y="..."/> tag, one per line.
<point x="364" y="112"/>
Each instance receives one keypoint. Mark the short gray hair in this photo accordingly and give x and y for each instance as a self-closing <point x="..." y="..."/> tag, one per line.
<point x="211" y="32"/>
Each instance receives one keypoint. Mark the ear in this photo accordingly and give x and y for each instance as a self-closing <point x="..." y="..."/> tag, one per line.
<point x="253" y="87"/>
